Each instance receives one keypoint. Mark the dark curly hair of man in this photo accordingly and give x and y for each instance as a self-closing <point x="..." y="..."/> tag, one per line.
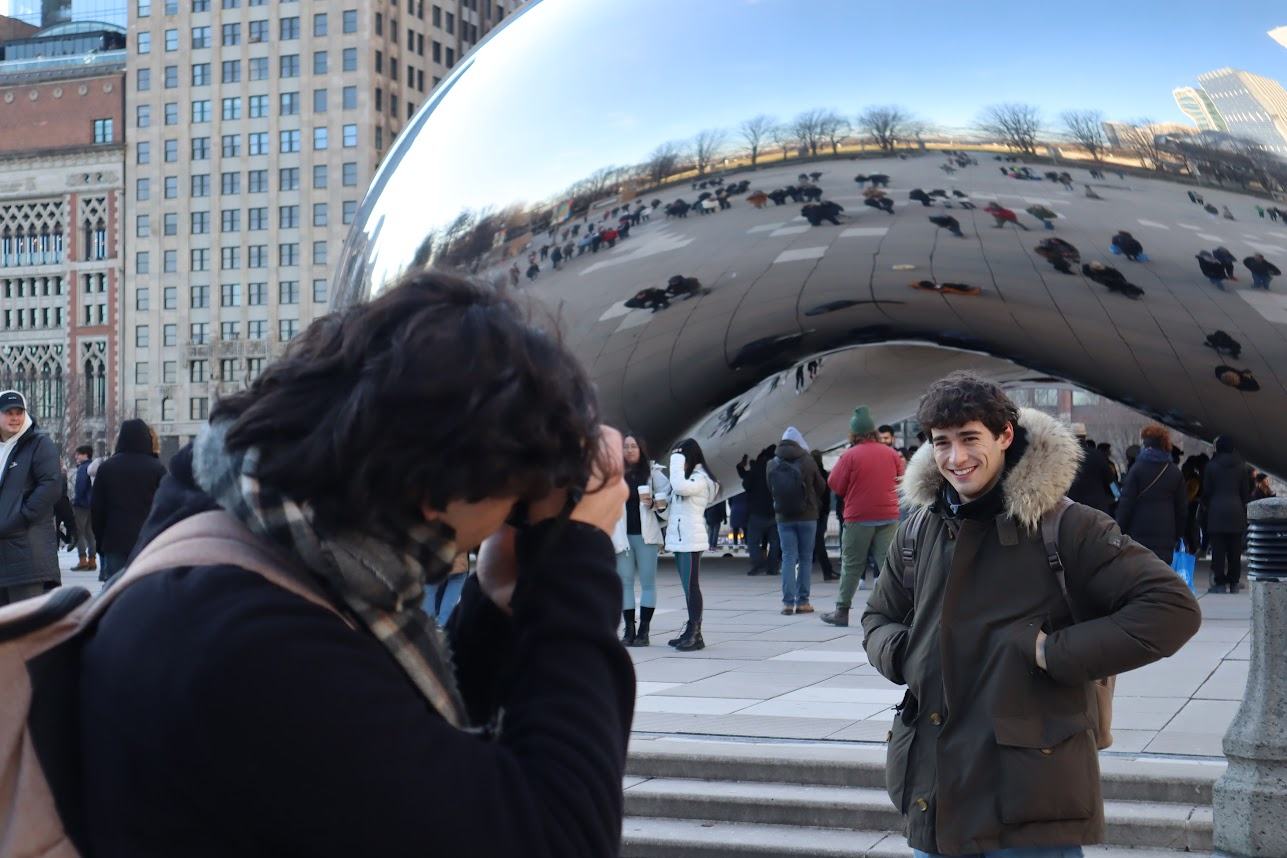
<point x="440" y="389"/>
<point x="962" y="397"/>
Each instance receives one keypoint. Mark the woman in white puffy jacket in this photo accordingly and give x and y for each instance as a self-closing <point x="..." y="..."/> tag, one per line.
<point x="638" y="537"/>
<point x="692" y="489"/>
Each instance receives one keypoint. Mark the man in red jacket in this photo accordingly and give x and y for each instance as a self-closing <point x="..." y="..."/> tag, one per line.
<point x="867" y="478"/>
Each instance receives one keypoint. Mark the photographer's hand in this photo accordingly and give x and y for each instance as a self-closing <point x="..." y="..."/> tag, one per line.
<point x="602" y="506"/>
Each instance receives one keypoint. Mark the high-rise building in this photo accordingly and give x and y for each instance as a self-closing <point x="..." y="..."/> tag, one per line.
<point x="1197" y="105"/>
<point x="1254" y="108"/>
<point x="254" y="128"/>
<point x="62" y="171"/>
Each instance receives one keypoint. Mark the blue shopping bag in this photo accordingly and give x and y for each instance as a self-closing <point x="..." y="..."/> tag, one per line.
<point x="1183" y="562"/>
<point x="1143" y="257"/>
<point x="1114" y="249"/>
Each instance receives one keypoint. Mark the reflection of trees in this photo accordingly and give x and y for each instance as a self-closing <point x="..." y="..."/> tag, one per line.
<point x="833" y="129"/>
<point x="756" y="131"/>
<point x="662" y="162"/>
<point x="706" y="146"/>
<point x="782" y="137"/>
<point x="1140" y="140"/>
<point x="1014" y="124"/>
<point x="1086" y="129"/>
<point x="807" y="129"/>
<point x="1221" y="157"/>
<point x="886" y="125"/>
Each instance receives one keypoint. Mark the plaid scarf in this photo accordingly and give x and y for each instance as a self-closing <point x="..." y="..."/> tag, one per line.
<point x="379" y="577"/>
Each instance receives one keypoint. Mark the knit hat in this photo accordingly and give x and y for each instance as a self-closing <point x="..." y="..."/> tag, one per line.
<point x="861" y="423"/>
<point x="793" y="434"/>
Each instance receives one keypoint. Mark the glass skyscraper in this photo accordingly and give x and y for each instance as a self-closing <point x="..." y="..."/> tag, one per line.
<point x="47" y="13"/>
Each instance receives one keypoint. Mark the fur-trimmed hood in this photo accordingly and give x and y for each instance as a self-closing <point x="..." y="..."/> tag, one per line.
<point x="1034" y="484"/>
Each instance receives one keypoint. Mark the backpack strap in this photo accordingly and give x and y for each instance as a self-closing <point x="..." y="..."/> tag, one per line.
<point x="915" y="527"/>
<point x="1050" y="536"/>
<point x="215" y="538"/>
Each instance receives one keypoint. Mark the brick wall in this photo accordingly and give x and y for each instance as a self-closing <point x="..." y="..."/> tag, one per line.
<point x="59" y="114"/>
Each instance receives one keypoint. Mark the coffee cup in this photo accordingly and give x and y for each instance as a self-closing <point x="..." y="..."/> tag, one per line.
<point x="645" y="494"/>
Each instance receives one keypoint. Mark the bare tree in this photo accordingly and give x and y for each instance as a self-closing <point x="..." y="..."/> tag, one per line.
<point x="662" y="162"/>
<point x="1086" y="129"/>
<point x="755" y="131"/>
<point x="807" y="128"/>
<point x="706" y="146"/>
<point x="783" y="137"/>
<point x="1140" y="140"/>
<point x="834" y="128"/>
<point x="1016" y="125"/>
<point x="886" y="125"/>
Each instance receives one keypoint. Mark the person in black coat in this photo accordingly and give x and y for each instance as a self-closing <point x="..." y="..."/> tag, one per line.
<point x="1262" y="270"/>
<point x="1093" y="485"/>
<point x="1114" y="280"/>
<point x="1212" y="269"/>
<point x="30" y="485"/>
<point x="123" y="492"/>
<point x="820" y="555"/>
<point x="761" y="520"/>
<point x="1226" y="259"/>
<point x="1129" y="245"/>
<point x="1226" y="490"/>
<point x="1153" y="505"/>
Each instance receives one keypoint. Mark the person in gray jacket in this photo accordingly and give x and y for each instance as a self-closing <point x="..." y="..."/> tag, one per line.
<point x="1226" y="491"/>
<point x="796" y="484"/>
<point x="30" y="476"/>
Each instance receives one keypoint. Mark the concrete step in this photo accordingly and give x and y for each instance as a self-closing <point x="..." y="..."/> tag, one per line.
<point x="846" y="765"/>
<point x="686" y="838"/>
<point x="1162" y="825"/>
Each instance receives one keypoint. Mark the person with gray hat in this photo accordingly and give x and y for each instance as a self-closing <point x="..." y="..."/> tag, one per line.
<point x="30" y="477"/>
<point x="796" y="484"/>
<point x="867" y="478"/>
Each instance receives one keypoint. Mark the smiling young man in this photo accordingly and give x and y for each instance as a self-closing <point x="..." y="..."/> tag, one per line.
<point x="993" y="751"/>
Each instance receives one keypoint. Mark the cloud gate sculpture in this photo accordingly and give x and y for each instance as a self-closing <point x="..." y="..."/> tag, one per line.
<point x="749" y="213"/>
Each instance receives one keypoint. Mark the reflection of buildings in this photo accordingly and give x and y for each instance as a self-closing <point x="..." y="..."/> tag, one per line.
<point x="1252" y="106"/>
<point x="253" y="133"/>
<point x="1124" y="134"/>
<point x="61" y="261"/>
<point x="48" y="13"/>
<point x="1279" y="35"/>
<point x="1197" y="105"/>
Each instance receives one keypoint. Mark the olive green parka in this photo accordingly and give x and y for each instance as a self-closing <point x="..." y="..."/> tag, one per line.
<point x="988" y="751"/>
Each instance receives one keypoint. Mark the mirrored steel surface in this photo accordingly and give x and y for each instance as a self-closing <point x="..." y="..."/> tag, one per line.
<point x="578" y="112"/>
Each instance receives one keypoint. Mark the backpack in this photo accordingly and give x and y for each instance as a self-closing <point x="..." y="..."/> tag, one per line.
<point x="42" y="813"/>
<point x="1050" y="536"/>
<point x="787" y="488"/>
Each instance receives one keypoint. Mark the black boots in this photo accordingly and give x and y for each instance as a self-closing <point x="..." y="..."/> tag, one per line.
<point x="682" y="634"/>
<point x="645" y="620"/>
<point x="691" y="639"/>
<point x="629" y="637"/>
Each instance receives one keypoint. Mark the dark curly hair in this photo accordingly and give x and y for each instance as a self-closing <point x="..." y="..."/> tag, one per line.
<point x="962" y="397"/>
<point x="440" y="389"/>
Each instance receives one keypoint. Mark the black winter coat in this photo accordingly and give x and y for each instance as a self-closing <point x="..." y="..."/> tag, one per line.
<point x="249" y="722"/>
<point x="1154" y="513"/>
<point x="123" y="490"/>
<point x="1211" y="268"/>
<point x="1129" y="245"/>
<point x="759" y="501"/>
<point x="1092" y="485"/>
<point x="1226" y="491"/>
<point x="32" y="484"/>
<point x="1261" y="267"/>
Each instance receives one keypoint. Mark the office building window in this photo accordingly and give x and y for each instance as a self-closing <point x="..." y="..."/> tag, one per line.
<point x="350" y="136"/>
<point x="198" y="371"/>
<point x="167" y="410"/>
<point x="289" y="141"/>
<point x="141" y="337"/>
<point x="230" y="220"/>
<point x="170" y="262"/>
<point x="229" y="258"/>
<point x="289" y="65"/>
<point x="350" y="20"/>
<point x="171" y="40"/>
<point x="349" y="174"/>
<point x="349" y="58"/>
<point x="141" y="372"/>
<point x="141" y="298"/>
<point x="199" y="333"/>
<point x="379" y="62"/>
<point x="257" y="143"/>
<point x="319" y="175"/>
<point x="350" y="211"/>
<point x="200" y="37"/>
<point x="199" y="408"/>
<point x="200" y="297"/>
<point x="319" y="101"/>
<point x="379" y="138"/>
<point x="230" y="71"/>
<point x="171" y="109"/>
<point x="230" y="331"/>
<point x="142" y="226"/>
<point x="231" y="147"/>
<point x="171" y="74"/>
<point x="142" y="262"/>
<point x="257" y="32"/>
<point x="287" y="329"/>
<point x="451" y="57"/>
<point x="436" y="52"/>
<point x="200" y="5"/>
<point x="143" y="9"/>
<point x="257" y="294"/>
<point x="288" y="179"/>
<point x="169" y="372"/>
<point x="257" y="182"/>
<point x="379" y="99"/>
<point x="436" y="17"/>
<point x="170" y="335"/>
<point x="144" y="43"/>
<point x="230" y="295"/>
<point x="258" y="68"/>
<point x="170" y="298"/>
<point x="319" y="214"/>
<point x="143" y="80"/>
<point x="230" y="370"/>
<point x="142" y="116"/>
<point x="319" y="291"/>
<point x="231" y="108"/>
<point x="350" y="98"/>
<point x="229" y="183"/>
<point x="170" y="223"/>
<point x="257" y="256"/>
<point x="257" y="106"/>
<point x="200" y="74"/>
<point x="288" y="217"/>
<point x="379" y="24"/>
<point x="231" y="35"/>
<point x="200" y="222"/>
<point x="288" y="255"/>
<point x="102" y="131"/>
<point x="256" y="329"/>
<point x="142" y="190"/>
<point x="319" y="253"/>
<point x="200" y="148"/>
<point x="393" y="68"/>
<point x="200" y="111"/>
<point x="257" y="219"/>
<point x="289" y="29"/>
<point x="171" y="150"/>
<point x="289" y="103"/>
<point x="199" y="259"/>
<point x="319" y="138"/>
<point x="319" y="62"/>
<point x="288" y="292"/>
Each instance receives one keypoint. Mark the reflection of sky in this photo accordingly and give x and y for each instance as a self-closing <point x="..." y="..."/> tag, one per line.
<point x="578" y="85"/>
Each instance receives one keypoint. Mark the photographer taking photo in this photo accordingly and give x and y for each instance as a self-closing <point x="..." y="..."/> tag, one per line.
<point x="222" y="714"/>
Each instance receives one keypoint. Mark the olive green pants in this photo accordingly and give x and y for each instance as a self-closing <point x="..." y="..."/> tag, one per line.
<point x="855" y="542"/>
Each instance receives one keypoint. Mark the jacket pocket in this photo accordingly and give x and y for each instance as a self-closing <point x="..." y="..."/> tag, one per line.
<point x="1048" y="768"/>
<point x="898" y="754"/>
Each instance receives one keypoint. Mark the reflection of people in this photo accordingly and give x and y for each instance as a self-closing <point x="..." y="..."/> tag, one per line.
<point x="1003" y="215"/>
<point x="968" y="764"/>
<point x="948" y="223"/>
<point x="1059" y="253"/>
<point x="1129" y="245"/>
<point x="686" y="287"/>
<point x="1114" y="280"/>
<point x="1262" y="270"/>
<point x="649" y="299"/>
<point x="1239" y="379"/>
<point x="1212" y="269"/>
<point x="945" y="288"/>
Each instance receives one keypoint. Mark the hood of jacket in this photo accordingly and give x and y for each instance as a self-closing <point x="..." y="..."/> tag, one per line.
<point x="1225" y="461"/>
<point x="134" y="438"/>
<point x="790" y="451"/>
<point x="1032" y="485"/>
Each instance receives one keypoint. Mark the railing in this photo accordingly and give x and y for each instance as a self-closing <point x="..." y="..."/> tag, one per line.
<point x="75" y="61"/>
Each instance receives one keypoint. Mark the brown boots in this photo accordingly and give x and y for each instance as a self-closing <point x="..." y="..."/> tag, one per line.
<point x="86" y="564"/>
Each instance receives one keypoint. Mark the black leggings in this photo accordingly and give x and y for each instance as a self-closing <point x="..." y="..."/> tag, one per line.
<point x="692" y="562"/>
<point x="1226" y="557"/>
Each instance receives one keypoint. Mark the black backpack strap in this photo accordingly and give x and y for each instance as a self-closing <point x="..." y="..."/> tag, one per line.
<point x="1050" y="536"/>
<point x="912" y="533"/>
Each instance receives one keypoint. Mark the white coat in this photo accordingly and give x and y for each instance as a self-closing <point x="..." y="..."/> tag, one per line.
<point x="649" y="523"/>
<point x="689" y="497"/>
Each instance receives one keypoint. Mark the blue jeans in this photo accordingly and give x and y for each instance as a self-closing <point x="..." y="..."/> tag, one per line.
<point x="797" y="559"/>
<point x="1261" y="281"/>
<point x="640" y="561"/>
<point x="110" y="564"/>
<point x="442" y="599"/>
<point x="1021" y="852"/>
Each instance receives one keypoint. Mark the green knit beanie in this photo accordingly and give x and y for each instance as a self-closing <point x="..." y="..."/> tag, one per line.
<point x="861" y="423"/>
